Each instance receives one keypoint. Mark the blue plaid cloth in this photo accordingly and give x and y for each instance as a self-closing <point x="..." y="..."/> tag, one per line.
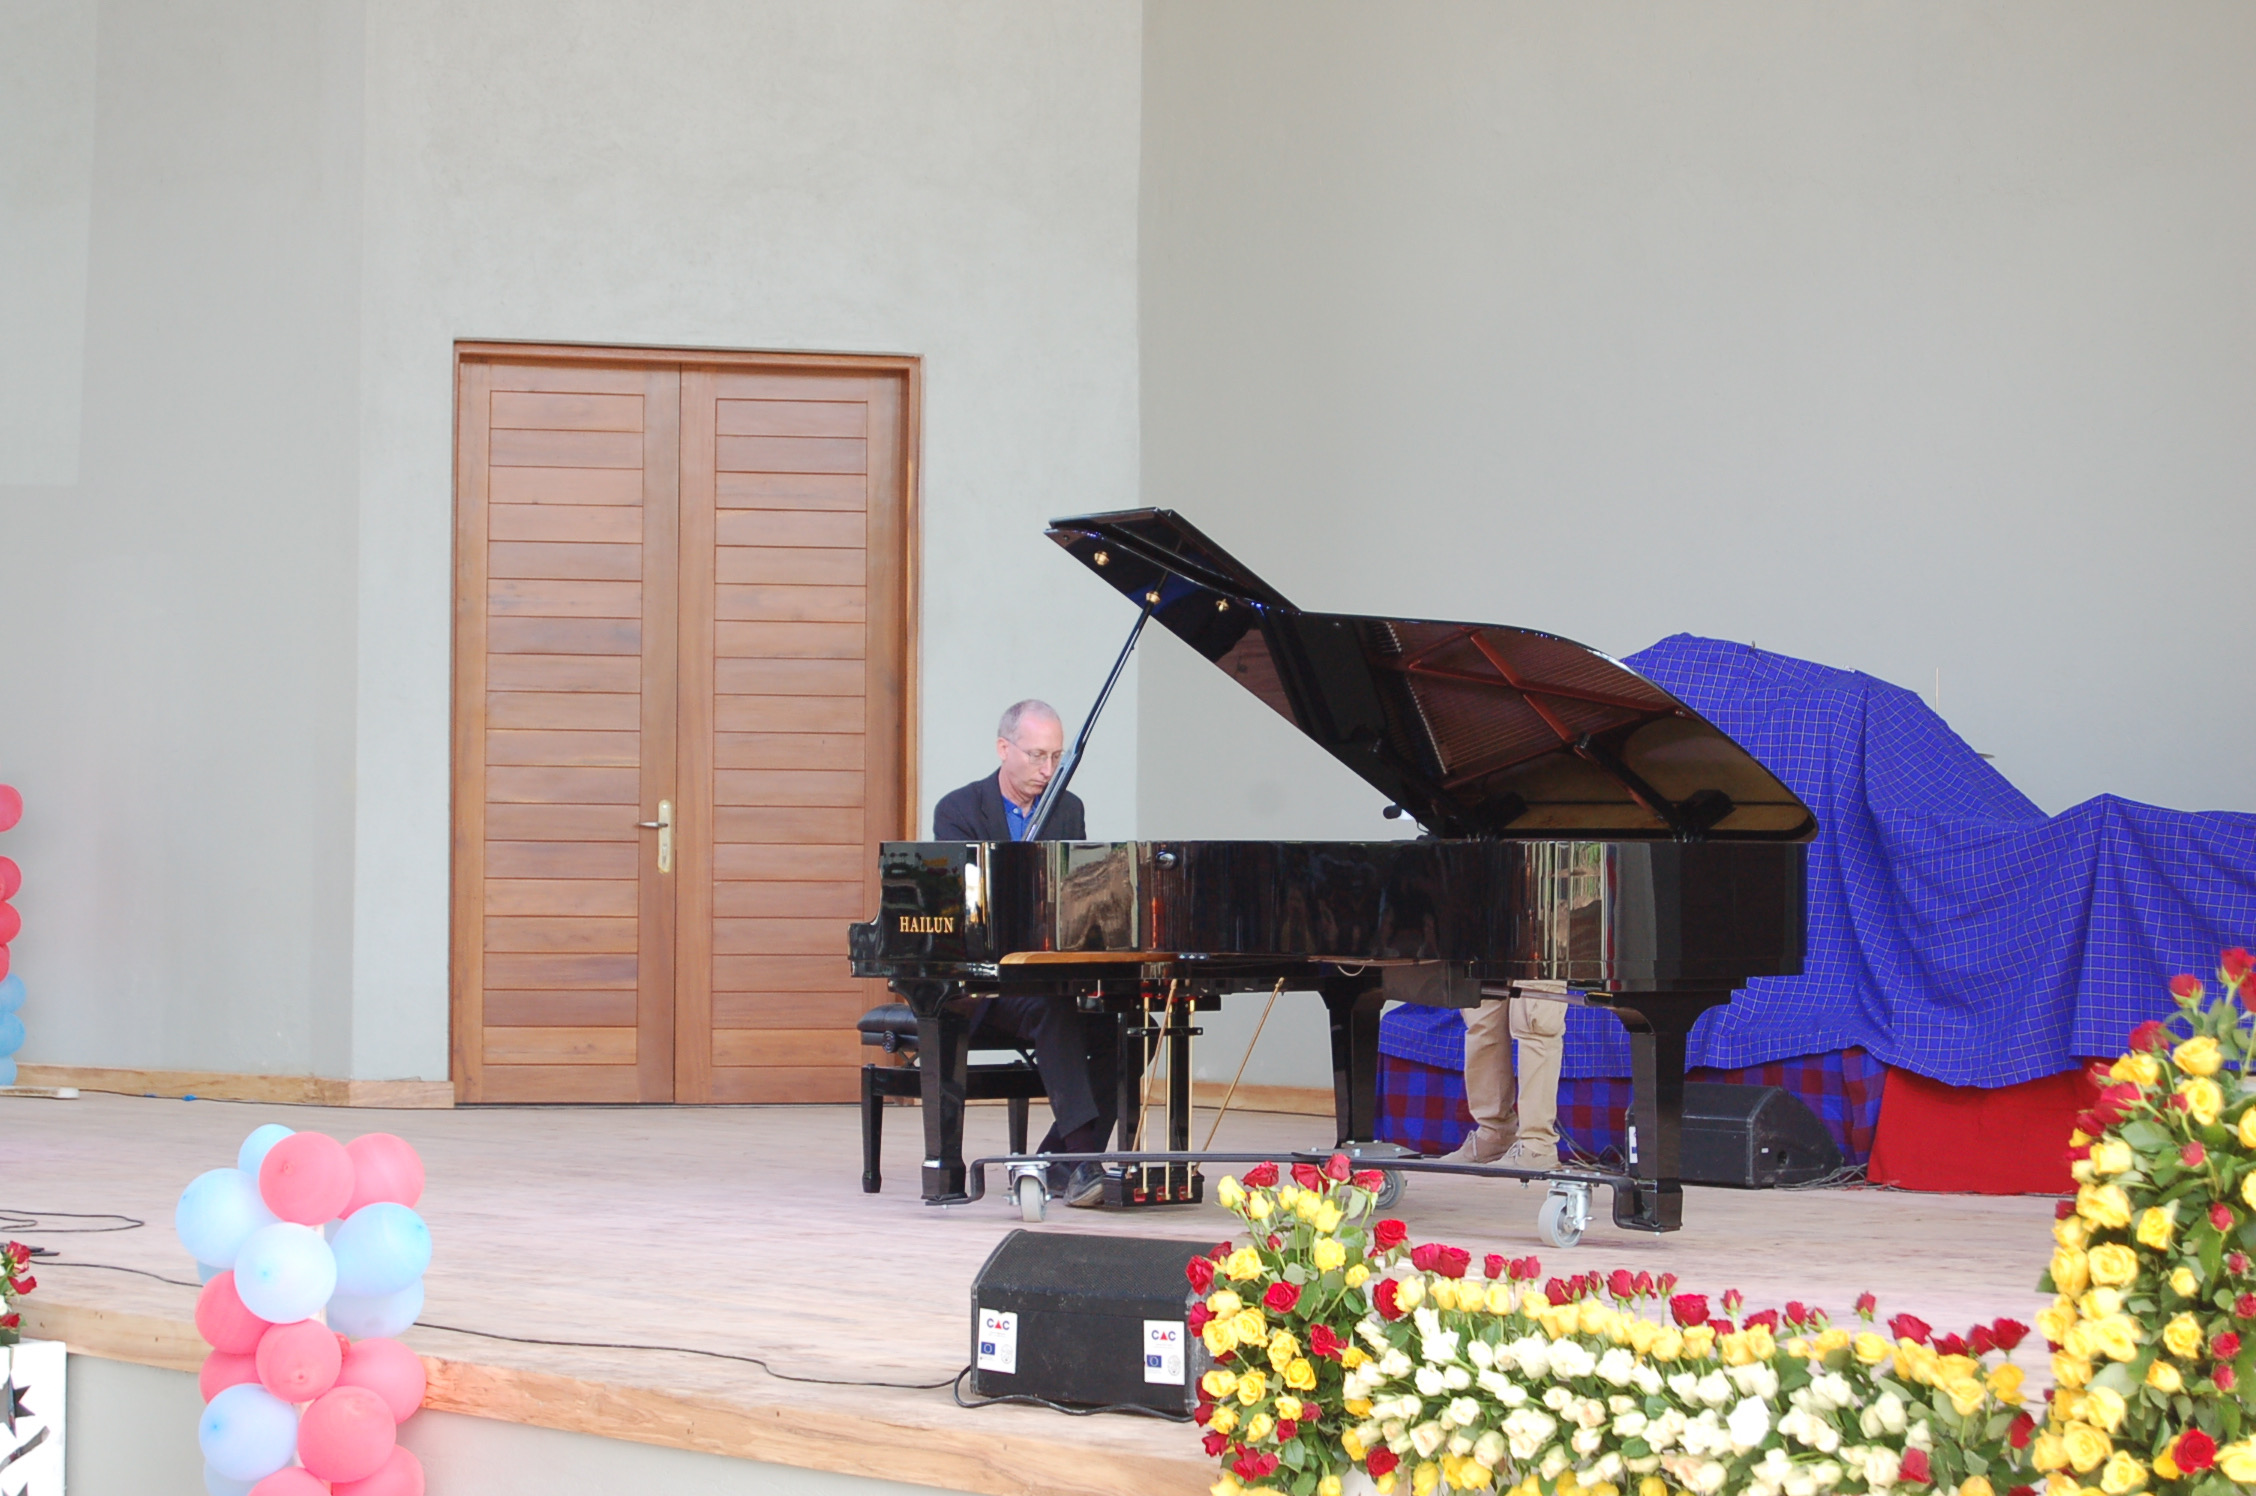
<point x="1955" y="930"/>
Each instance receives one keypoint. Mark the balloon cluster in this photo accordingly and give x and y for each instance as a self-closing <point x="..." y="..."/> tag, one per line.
<point x="303" y="1230"/>
<point x="11" y="987"/>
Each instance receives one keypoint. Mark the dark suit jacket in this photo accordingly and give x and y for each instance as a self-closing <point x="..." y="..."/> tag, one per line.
<point x="975" y="813"/>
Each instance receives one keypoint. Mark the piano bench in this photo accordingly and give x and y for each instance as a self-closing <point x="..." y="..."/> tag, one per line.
<point x="893" y="1028"/>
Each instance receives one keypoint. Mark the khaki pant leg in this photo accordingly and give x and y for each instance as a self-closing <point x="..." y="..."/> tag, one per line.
<point x="1489" y="1092"/>
<point x="1541" y="1028"/>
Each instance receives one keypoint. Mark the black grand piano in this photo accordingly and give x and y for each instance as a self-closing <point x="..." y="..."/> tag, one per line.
<point x="1581" y="826"/>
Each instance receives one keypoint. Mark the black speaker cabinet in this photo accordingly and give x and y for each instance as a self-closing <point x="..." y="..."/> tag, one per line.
<point x="1753" y="1137"/>
<point x="1093" y="1320"/>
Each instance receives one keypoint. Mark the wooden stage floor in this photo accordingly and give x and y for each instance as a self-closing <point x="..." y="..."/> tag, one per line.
<point x="744" y="1230"/>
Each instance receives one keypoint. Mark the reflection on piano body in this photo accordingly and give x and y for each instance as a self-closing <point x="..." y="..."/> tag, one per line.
<point x="1582" y="826"/>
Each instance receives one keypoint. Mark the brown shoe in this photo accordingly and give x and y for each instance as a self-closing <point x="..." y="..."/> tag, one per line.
<point x="1481" y="1146"/>
<point x="1525" y="1155"/>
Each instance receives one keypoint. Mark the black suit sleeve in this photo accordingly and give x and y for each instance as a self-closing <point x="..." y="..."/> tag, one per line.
<point x="956" y="817"/>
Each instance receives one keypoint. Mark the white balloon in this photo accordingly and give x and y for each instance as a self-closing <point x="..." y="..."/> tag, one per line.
<point x="218" y="1212"/>
<point x="247" y="1433"/>
<point x="253" y="1152"/>
<point x="285" y="1273"/>
<point x="379" y="1317"/>
<point x="219" y="1485"/>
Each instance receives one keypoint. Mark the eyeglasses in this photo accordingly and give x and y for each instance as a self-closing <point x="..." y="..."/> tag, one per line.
<point x="1052" y="759"/>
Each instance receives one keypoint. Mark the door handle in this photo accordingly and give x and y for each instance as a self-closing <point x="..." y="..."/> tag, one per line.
<point x="664" y="826"/>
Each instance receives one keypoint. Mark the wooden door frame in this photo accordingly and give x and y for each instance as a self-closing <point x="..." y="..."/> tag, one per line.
<point x="466" y="824"/>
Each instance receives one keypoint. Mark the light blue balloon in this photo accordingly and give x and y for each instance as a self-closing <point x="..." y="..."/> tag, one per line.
<point x="247" y="1433"/>
<point x="11" y="1033"/>
<point x="217" y="1213"/>
<point x="219" y="1485"/>
<point x="285" y="1272"/>
<point x="253" y="1152"/>
<point x="381" y="1249"/>
<point x="7" y="1069"/>
<point x="11" y="993"/>
<point x="367" y="1319"/>
<point x="205" y="1272"/>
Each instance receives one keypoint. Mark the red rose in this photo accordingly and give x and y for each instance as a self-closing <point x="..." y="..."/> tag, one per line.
<point x="1219" y="1250"/>
<point x="1308" y="1176"/>
<point x="1689" y="1309"/>
<point x="2224" y="1377"/>
<point x="1528" y="1269"/>
<point x="1322" y="1342"/>
<point x="1621" y="1283"/>
<point x="2079" y="1153"/>
<point x="1723" y="1326"/>
<point x="1387" y="1235"/>
<point x="1454" y="1263"/>
<point x="1557" y="1292"/>
<point x="2225" y="1346"/>
<point x="1767" y="1318"/>
<point x="2008" y="1333"/>
<point x="1381" y="1460"/>
<point x="1369" y="1179"/>
<point x="1261" y="1176"/>
<point x="2237" y="1261"/>
<point x="1215" y="1443"/>
<point x="2235" y="964"/>
<point x="1286" y="1429"/>
<point x="1338" y="1169"/>
<point x="1251" y="1466"/>
<point x="1382" y="1299"/>
<point x="2220" y="1214"/>
<point x="1910" y="1327"/>
<point x="1281" y="1297"/>
<point x="1644" y="1285"/>
<point x="2194" y="1450"/>
<point x="2179" y="1103"/>
<point x="2185" y="987"/>
<point x="1200" y="1270"/>
<point x="1425" y="1255"/>
<point x="1866" y="1306"/>
<point x="1199" y="1318"/>
<point x="1797" y="1312"/>
<point x="2244" y="1307"/>
<point x="1665" y="1284"/>
<point x="10" y="1321"/>
<point x="1493" y="1265"/>
<point x="2023" y="1429"/>
<point x="1979" y="1342"/>
<point x="2063" y="1209"/>
<point x="1949" y="1345"/>
<point x="2193" y="1155"/>
<point x="1203" y="1412"/>
<point x="1732" y="1299"/>
<point x="1915" y="1467"/>
<point x="25" y="1285"/>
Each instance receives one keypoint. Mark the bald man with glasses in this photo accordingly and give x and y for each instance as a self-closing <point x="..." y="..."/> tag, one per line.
<point x="1073" y="1050"/>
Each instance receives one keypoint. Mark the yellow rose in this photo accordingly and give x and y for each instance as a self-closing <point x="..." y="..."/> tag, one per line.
<point x="1356" y="1276"/>
<point x="1259" y="1207"/>
<point x="1871" y="1349"/>
<point x="2183" y="1336"/>
<point x="2104" y="1205"/>
<point x="1226" y="1486"/>
<point x="1734" y="1347"/>
<point x="1282" y="1349"/>
<point x="1653" y="1485"/>
<point x="2183" y="1283"/>
<point x="2101" y="1302"/>
<point x="1498" y="1299"/>
<point x="1259" y="1427"/>
<point x="2238" y="1462"/>
<point x="1288" y="1407"/>
<point x="2082" y="1339"/>
<point x="1328" y="1486"/>
<point x="1242" y="1264"/>
<point x="1252" y="1386"/>
<point x="1353" y="1443"/>
<point x="1359" y="1407"/>
<point x="2141" y="1069"/>
<point x="1668" y="1344"/>
<point x="1220" y="1335"/>
<point x="1225" y="1419"/>
<point x="2005" y="1381"/>
<point x="1593" y="1317"/>
<point x="2112" y="1156"/>
<point x="1223" y="1301"/>
<point x="1700" y="1339"/>
<point x="2203" y="1098"/>
<point x="1328" y="1217"/>
<point x="1409" y="1294"/>
<point x="2111" y="1263"/>
<point x="2163" y="1377"/>
<point x="2071" y="1271"/>
<point x="1760" y="1344"/>
<point x="2248" y="1128"/>
<point x="1641" y="1333"/>
<point x="2070" y="1370"/>
<point x="1966" y="1395"/>
<point x="2072" y="1232"/>
<point x="2118" y="1337"/>
<point x="1353" y="1357"/>
<point x="1229" y="1194"/>
<point x="1384" y="1485"/>
<point x="1219" y="1383"/>
<point x="2105" y="1407"/>
<point x="2199" y="1055"/>
<point x="1834" y="1339"/>
<point x="2156" y="1225"/>
<point x="1424" y="1479"/>
<point x="1976" y="1485"/>
<point x="1327" y="1254"/>
<point x="2123" y="1474"/>
<point x="2052" y="1321"/>
<point x="1300" y="1375"/>
<point x="1249" y="1327"/>
<point x="2248" y="1186"/>
<point x="2046" y="1451"/>
<point x="2087" y="1447"/>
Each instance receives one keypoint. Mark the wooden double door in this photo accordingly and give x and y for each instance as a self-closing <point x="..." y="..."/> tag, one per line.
<point x="682" y="717"/>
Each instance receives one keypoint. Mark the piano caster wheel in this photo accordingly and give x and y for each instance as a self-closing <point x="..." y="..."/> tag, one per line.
<point x="1564" y="1216"/>
<point x="1392" y="1182"/>
<point x="1033" y="1199"/>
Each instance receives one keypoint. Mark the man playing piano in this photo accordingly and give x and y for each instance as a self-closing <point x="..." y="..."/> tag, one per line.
<point x="1516" y="1117"/>
<point x="1073" y="1050"/>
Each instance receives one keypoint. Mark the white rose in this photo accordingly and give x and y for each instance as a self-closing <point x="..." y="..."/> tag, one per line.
<point x="1748" y="1424"/>
<point x="1709" y="1478"/>
<point x="1683" y="1384"/>
<point x="1799" y="1483"/>
<point x="1630" y="1425"/>
<point x="1648" y="1380"/>
<point x="1891" y="1410"/>
<point x="1615" y="1365"/>
<point x="1555" y="1459"/>
<point x="1394" y="1364"/>
<point x="1715" y="1389"/>
<point x="1482" y="1354"/>
<point x="1827" y="1474"/>
<point x="1556" y="1397"/>
<point x="1620" y="1404"/>
<point x="1427" y="1439"/>
<point x="1832" y="1390"/>
<point x="1428" y="1381"/>
<point x="1456" y="1378"/>
<point x="1489" y="1449"/>
<point x="1881" y="1467"/>
<point x="1586" y="1441"/>
<point x="1462" y="1413"/>
<point x="1608" y="1466"/>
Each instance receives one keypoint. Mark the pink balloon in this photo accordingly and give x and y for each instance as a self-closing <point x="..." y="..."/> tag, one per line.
<point x="222" y="1371"/>
<point x="223" y="1321"/>
<point x="11" y="877"/>
<point x="3" y="962"/>
<point x="299" y="1362"/>
<point x="291" y="1480"/>
<point x="347" y="1434"/>
<point x="11" y="806"/>
<point x="11" y="923"/>
<point x="388" y="1369"/>
<point x="402" y="1475"/>
<point x="384" y="1168"/>
<point x="307" y="1178"/>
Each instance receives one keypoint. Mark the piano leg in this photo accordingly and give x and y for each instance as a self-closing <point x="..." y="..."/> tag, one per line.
<point x="1130" y="1102"/>
<point x="1354" y="1004"/>
<point x="943" y="1058"/>
<point x="1660" y="1030"/>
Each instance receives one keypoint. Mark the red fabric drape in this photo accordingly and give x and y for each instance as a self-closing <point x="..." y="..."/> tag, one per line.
<point x="1967" y="1140"/>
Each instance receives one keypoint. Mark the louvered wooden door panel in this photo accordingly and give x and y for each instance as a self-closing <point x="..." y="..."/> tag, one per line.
<point x="678" y="585"/>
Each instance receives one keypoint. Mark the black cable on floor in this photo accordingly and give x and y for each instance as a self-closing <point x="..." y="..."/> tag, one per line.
<point x="1137" y="1410"/>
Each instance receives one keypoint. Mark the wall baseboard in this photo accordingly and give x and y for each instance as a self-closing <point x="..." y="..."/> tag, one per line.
<point x="290" y="1090"/>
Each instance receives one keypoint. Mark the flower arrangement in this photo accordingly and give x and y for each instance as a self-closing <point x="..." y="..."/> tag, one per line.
<point x="2153" y="1346"/>
<point x="1342" y="1347"/>
<point x="15" y="1281"/>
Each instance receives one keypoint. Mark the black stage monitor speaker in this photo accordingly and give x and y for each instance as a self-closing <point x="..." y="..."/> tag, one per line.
<point x="1753" y="1137"/>
<point x="1094" y="1320"/>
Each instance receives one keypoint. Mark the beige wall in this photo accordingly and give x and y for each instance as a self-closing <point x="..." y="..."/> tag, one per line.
<point x="1906" y="338"/>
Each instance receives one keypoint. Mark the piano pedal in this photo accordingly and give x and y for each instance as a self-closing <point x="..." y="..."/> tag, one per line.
<point x="1141" y="1185"/>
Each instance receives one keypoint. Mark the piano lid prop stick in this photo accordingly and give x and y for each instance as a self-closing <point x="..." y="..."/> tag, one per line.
<point x="1064" y="775"/>
<point x="1244" y="1060"/>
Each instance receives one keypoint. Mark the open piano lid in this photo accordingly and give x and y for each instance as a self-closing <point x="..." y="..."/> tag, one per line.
<point x="1475" y="729"/>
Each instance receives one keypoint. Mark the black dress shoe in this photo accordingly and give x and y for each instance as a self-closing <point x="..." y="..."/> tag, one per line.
<point x="1085" y="1191"/>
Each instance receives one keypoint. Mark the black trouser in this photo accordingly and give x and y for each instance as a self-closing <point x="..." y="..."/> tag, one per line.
<point x="1077" y="1056"/>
